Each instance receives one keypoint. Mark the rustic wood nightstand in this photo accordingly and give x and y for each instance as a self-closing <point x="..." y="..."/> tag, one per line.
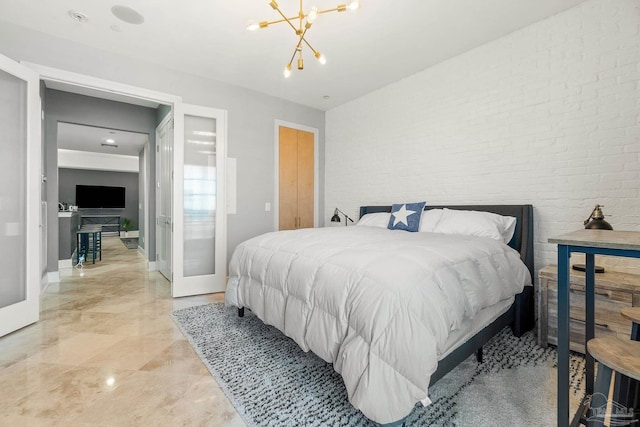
<point x="614" y="291"/>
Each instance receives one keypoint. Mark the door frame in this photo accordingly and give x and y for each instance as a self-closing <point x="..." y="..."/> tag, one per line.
<point x="47" y="73"/>
<point x="159" y="266"/>
<point x="316" y="172"/>
<point x="179" y="109"/>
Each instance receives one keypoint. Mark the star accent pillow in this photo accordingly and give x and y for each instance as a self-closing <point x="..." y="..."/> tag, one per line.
<point x="406" y="216"/>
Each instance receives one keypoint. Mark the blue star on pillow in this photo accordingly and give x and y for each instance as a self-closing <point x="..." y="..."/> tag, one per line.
<point x="406" y="216"/>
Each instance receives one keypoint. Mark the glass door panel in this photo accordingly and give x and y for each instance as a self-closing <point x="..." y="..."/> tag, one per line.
<point x="13" y="175"/>
<point x="19" y="196"/>
<point x="200" y="196"/>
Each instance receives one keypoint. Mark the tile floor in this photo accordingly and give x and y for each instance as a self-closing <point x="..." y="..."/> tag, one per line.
<point x="106" y="353"/>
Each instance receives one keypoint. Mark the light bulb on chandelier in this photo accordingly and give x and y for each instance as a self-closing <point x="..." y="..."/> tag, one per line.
<point x="321" y="57"/>
<point x="287" y="71"/>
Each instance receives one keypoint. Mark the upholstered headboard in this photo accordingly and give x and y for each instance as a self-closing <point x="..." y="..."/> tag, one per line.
<point x="522" y="240"/>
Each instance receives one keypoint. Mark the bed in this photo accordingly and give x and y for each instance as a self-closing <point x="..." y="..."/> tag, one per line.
<point x="354" y="297"/>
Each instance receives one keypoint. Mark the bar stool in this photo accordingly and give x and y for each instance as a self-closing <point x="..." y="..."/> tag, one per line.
<point x="627" y="390"/>
<point x="612" y="354"/>
<point x="633" y="314"/>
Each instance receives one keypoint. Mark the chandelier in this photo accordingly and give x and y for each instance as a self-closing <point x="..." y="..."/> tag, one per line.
<point x="301" y="29"/>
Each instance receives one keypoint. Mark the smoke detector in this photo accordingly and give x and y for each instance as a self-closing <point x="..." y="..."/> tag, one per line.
<point x="78" y="16"/>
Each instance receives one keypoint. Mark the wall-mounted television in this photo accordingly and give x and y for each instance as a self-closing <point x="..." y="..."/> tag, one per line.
<point x="100" y="196"/>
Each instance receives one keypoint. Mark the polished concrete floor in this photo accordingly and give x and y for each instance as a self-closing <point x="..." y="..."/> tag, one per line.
<point x="106" y="353"/>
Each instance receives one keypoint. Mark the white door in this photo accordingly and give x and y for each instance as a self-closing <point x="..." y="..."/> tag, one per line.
<point x="199" y="216"/>
<point x="19" y="196"/>
<point x="164" y="168"/>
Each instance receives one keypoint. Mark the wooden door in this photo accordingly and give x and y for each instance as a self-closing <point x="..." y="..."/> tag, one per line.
<point x="305" y="179"/>
<point x="296" y="175"/>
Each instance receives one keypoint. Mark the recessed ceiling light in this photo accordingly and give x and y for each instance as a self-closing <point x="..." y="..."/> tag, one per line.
<point x="78" y="16"/>
<point x="325" y="97"/>
<point x="111" y="141"/>
<point x="128" y="15"/>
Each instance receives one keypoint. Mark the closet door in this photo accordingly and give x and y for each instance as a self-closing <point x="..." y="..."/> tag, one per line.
<point x="305" y="179"/>
<point x="288" y="179"/>
<point x="296" y="178"/>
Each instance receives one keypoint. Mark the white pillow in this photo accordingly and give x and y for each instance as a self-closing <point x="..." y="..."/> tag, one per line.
<point x="429" y="220"/>
<point x="476" y="223"/>
<point x="377" y="219"/>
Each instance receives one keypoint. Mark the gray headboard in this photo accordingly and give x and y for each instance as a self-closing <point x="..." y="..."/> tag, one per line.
<point x="522" y="240"/>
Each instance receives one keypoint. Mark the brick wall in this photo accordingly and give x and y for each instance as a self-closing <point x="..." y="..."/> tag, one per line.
<point x="548" y="115"/>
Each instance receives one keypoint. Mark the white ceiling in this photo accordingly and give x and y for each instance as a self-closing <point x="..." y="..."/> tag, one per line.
<point x="90" y="138"/>
<point x="382" y="42"/>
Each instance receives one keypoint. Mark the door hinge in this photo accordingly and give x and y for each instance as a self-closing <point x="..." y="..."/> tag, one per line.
<point x="157" y="148"/>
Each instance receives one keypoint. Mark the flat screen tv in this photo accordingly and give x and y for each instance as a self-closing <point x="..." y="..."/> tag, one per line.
<point x="100" y="196"/>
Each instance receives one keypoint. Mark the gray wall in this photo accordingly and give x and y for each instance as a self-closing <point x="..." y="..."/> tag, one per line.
<point x="79" y="109"/>
<point x="68" y="178"/>
<point x="251" y="115"/>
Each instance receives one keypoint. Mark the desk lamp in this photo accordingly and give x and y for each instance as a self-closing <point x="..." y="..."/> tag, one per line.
<point x="594" y="222"/>
<point x="336" y="217"/>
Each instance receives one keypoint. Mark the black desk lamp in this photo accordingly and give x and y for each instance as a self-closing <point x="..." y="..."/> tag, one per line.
<point x="336" y="217"/>
<point x="594" y="222"/>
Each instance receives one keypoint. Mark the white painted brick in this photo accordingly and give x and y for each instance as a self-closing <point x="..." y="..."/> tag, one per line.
<point x="548" y="115"/>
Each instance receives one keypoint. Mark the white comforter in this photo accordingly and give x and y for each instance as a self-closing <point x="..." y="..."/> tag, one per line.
<point x="378" y="304"/>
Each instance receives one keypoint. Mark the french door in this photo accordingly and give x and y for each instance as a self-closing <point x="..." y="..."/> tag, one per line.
<point x="199" y="200"/>
<point x="19" y="196"/>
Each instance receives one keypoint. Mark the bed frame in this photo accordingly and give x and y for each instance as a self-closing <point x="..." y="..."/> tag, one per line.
<point x="521" y="315"/>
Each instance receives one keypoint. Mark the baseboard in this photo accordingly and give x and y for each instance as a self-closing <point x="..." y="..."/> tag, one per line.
<point x="65" y="263"/>
<point x="153" y="266"/>
<point x="53" y="277"/>
<point x="44" y="282"/>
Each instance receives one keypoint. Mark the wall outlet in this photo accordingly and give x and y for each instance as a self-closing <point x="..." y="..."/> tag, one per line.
<point x="267" y="207"/>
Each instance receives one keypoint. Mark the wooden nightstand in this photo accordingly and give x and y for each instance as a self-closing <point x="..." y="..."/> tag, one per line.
<point x="614" y="291"/>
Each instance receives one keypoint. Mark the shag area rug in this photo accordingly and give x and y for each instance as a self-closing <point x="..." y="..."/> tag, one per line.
<point x="272" y="382"/>
<point x="130" y="242"/>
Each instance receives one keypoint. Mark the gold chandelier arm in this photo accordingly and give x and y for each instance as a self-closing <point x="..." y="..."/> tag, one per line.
<point x="294" y="55"/>
<point x="285" y="19"/>
<point x="338" y="8"/>
<point x="303" y="39"/>
<point x="279" y="21"/>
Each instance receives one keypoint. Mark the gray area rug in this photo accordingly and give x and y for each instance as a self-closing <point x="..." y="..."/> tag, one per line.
<point x="130" y="242"/>
<point x="272" y="382"/>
